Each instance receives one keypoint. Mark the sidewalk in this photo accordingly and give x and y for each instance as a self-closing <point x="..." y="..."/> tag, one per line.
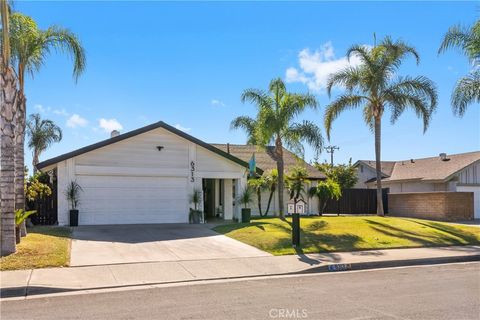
<point x="24" y="283"/>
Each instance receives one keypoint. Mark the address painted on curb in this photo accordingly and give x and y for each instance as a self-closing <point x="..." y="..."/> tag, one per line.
<point x="340" y="267"/>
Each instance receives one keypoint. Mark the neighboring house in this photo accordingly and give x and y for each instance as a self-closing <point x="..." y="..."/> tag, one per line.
<point x="366" y="172"/>
<point x="147" y="176"/>
<point x="454" y="173"/>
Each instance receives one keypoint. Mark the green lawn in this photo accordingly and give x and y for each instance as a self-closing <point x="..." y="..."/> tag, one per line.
<point x="327" y="234"/>
<point x="42" y="247"/>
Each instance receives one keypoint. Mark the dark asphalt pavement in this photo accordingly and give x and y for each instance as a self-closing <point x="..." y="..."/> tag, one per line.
<point x="428" y="292"/>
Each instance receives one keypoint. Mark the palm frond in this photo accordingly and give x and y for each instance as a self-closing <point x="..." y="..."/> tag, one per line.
<point x="418" y="94"/>
<point x="342" y="103"/>
<point x="65" y="41"/>
<point x="306" y="131"/>
<point x="248" y="125"/>
<point x="349" y="77"/>
<point x="466" y="92"/>
<point x="465" y="39"/>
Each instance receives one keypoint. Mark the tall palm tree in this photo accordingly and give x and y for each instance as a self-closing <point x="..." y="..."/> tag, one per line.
<point x="248" y="125"/>
<point x="8" y="105"/>
<point x="30" y="48"/>
<point x="375" y="86"/>
<point x="467" y="88"/>
<point x="276" y="111"/>
<point x="42" y="133"/>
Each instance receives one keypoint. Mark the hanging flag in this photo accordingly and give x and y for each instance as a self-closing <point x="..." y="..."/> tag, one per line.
<point x="252" y="166"/>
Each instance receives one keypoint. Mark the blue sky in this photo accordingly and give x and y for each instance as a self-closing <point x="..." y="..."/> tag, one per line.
<point x="187" y="64"/>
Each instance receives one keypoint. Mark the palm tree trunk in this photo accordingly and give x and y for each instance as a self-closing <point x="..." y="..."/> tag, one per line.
<point x="280" y="167"/>
<point x="259" y="200"/>
<point x="269" y="201"/>
<point x="378" y="166"/>
<point x="8" y="100"/>
<point x="35" y="161"/>
<point x="19" y="158"/>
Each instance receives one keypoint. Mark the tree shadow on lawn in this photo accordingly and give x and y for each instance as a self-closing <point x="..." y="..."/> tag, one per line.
<point x="451" y="238"/>
<point x="56" y="231"/>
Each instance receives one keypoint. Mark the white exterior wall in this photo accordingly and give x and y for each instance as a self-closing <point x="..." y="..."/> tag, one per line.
<point x="134" y="167"/>
<point x="470" y="175"/>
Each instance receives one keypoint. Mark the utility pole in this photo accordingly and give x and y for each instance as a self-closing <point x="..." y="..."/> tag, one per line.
<point x="331" y="150"/>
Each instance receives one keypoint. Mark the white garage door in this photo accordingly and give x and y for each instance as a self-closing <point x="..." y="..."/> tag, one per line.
<point x="132" y="200"/>
<point x="476" y="198"/>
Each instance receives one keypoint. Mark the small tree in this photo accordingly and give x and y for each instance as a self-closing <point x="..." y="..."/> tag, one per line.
<point x="196" y="199"/>
<point x="295" y="182"/>
<point x="20" y="216"/>
<point x="345" y="175"/>
<point x="246" y="197"/>
<point x="73" y="194"/>
<point x="258" y="185"/>
<point x="324" y="191"/>
<point x="271" y="179"/>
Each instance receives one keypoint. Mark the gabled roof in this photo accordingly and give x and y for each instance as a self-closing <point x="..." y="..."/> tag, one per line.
<point x="432" y="168"/>
<point x="386" y="166"/>
<point x="136" y="132"/>
<point x="265" y="158"/>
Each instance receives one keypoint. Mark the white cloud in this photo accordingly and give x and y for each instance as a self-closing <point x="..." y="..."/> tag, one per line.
<point x="110" y="124"/>
<point x="217" y="103"/>
<point x="316" y="66"/>
<point x="40" y="108"/>
<point x="179" y="127"/>
<point x="61" y="112"/>
<point x="76" y="121"/>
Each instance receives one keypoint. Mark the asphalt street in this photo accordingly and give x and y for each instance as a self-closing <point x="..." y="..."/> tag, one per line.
<point x="425" y="292"/>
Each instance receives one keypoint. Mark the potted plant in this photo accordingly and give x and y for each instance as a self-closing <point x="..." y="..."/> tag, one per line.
<point x="73" y="198"/>
<point x="195" y="214"/>
<point x="246" y="197"/>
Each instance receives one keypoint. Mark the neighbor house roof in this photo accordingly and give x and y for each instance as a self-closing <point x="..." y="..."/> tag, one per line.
<point x="136" y="132"/>
<point x="432" y="168"/>
<point x="386" y="166"/>
<point x="265" y="158"/>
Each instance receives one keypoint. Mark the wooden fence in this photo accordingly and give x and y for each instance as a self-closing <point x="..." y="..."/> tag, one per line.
<point x="46" y="208"/>
<point x="357" y="201"/>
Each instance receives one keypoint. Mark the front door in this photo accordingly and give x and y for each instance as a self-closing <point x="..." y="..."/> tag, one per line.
<point x="209" y="198"/>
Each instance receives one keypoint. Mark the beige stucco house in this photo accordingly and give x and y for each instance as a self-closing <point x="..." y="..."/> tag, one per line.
<point x="454" y="173"/>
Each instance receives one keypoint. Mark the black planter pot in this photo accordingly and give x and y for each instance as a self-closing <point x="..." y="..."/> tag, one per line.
<point x="73" y="218"/>
<point x="246" y="214"/>
<point x="195" y="216"/>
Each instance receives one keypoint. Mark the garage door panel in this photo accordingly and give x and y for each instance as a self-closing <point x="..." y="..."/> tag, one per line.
<point x="132" y="199"/>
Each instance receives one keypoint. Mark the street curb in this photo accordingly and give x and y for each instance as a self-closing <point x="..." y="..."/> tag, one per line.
<point x="24" y="292"/>
<point x="389" y="264"/>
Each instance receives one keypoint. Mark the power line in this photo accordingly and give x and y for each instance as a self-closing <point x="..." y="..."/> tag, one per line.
<point x="331" y="150"/>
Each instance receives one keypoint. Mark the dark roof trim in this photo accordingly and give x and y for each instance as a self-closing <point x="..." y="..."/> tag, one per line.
<point x="136" y="132"/>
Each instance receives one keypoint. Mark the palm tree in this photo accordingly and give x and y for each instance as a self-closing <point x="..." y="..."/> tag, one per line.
<point x="8" y="105"/>
<point x="277" y="109"/>
<point x="41" y="134"/>
<point x="248" y="124"/>
<point x="374" y="86"/>
<point x="30" y="48"/>
<point x="467" y="89"/>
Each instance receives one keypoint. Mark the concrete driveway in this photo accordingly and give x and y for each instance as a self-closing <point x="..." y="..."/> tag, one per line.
<point x="100" y="245"/>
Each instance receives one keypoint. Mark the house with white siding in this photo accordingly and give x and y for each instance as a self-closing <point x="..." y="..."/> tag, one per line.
<point x="147" y="176"/>
<point x="446" y="173"/>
